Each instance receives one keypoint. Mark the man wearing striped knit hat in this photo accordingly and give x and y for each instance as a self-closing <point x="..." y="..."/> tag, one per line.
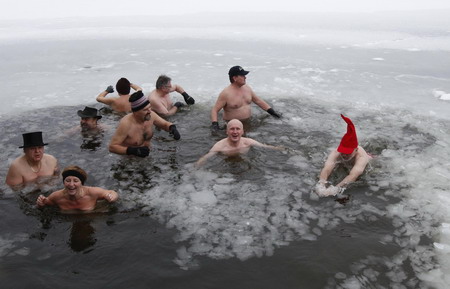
<point x="135" y="130"/>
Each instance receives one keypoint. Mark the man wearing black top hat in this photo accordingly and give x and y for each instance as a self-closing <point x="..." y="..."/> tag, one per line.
<point x="34" y="163"/>
<point x="89" y="118"/>
<point x="236" y="99"/>
<point x="135" y="130"/>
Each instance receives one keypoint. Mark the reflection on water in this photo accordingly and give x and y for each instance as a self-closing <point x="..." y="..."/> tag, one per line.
<point x="250" y="207"/>
<point x="81" y="236"/>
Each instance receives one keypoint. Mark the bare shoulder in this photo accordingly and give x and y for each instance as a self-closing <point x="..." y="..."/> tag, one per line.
<point x="219" y="146"/>
<point x="49" y="158"/>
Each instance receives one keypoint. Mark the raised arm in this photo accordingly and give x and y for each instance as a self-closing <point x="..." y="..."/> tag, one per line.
<point x="135" y="87"/>
<point x="102" y="96"/>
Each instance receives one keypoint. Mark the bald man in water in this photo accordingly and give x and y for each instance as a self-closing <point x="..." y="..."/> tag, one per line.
<point x="234" y="143"/>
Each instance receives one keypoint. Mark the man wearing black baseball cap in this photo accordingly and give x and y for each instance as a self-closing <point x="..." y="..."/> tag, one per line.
<point x="236" y="99"/>
<point x="34" y="163"/>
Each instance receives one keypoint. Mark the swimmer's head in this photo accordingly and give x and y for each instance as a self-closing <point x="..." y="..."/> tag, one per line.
<point x="235" y="71"/>
<point x="123" y="86"/>
<point x="162" y="81"/>
<point x="74" y="171"/>
<point x="235" y="130"/>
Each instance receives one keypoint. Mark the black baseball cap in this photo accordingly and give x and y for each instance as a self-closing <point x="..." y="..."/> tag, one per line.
<point x="237" y="70"/>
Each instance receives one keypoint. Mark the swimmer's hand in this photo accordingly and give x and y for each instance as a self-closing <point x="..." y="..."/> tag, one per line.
<point x="274" y="113"/>
<point x="40" y="202"/>
<point x="178" y="104"/>
<point x="323" y="191"/>
<point x="109" y="89"/>
<point x="214" y="126"/>
<point x="189" y="100"/>
<point x="138" y="151"/>
<point x="174" y="132"/>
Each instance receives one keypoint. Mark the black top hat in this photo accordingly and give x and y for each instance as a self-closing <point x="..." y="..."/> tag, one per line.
<point x="237" y="70"/>
<point x="89" y="112"/>
<point x="32" y="139"/>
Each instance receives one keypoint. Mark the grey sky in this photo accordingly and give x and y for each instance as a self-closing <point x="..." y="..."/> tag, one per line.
<point x="32" y="9"/>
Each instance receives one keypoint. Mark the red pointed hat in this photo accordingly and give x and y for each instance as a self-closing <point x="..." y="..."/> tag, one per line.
<point x="349" y="141"/>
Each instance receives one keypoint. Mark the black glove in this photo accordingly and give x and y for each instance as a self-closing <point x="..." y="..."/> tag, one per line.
<point x="215" y="126"/>
<point x="109" y="89"/>
<point x="138" y="151"/>
<point x="174" y="132"/>
<point x="189" y="100"/>
<point x="273" y="113"/>
<point x="178" y="104"/>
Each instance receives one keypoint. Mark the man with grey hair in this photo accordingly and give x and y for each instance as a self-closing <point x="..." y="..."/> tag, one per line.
<point x="160" y="97"/>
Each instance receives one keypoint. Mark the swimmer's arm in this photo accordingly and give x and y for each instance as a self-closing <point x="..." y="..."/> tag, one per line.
<point x="177" y="88"/>
<point x="355" y="172"/>
<point x="328" y="166"/>
<point x="13" y="178"/>
<point x="259" y="102"/>
<point x="220" y="104"/>
<point x="108" y="195"/>
<point x="204" y="158"/>
<point x="115" y="145"/>
<point x="102" y="98"/>
<point x="160" y="122"/>
<point x="135" y="87"/>
<point x="45" y="201"/>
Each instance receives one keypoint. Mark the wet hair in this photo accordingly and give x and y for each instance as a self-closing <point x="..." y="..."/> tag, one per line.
<point x="123" y="86"/>
<point x="162" y="80"/>
<point x="74" y="171"/>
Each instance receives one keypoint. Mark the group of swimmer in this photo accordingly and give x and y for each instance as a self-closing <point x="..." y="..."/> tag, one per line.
<point x="135" y="130"/>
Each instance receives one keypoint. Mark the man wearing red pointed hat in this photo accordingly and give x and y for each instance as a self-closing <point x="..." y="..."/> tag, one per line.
<point x="349" y="154"/>
<point x="34" y="163"/>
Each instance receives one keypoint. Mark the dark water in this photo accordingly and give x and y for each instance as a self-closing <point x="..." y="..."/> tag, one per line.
<point x="247" y="222"/>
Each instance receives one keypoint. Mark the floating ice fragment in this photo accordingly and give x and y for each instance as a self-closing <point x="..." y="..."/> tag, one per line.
<point x="204" y="197"/>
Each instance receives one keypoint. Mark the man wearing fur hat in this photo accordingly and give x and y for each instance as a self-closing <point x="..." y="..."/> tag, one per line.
<point x="121" y="103"/>
<point x="89" y="117"/>
<point x="349" y="154"/>
<point x="135" y="130"/>
<point x="34" y="163"/>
